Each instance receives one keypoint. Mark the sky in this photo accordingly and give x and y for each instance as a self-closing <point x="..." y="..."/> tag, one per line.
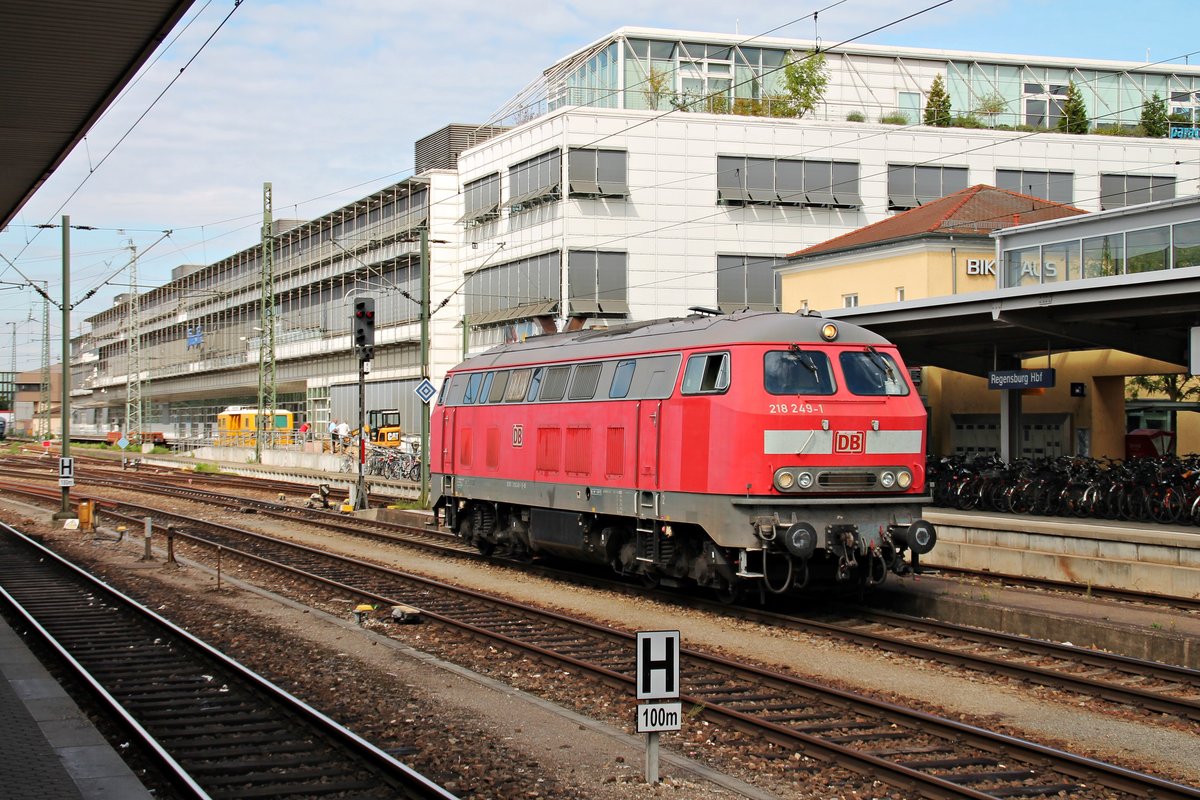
<point x="326" y="99"/>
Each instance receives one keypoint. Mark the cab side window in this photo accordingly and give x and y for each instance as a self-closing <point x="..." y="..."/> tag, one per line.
<point x="707" y="373"/>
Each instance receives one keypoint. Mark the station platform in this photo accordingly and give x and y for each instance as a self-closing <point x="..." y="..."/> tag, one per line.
<point x="51" y="749"/>
<point x="1160" y="559"/>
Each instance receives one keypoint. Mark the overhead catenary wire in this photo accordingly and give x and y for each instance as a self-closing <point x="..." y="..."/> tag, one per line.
<point x="700" y="220"/>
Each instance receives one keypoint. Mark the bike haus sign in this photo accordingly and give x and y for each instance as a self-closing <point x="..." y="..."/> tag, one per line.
<point x="1021" y="379"/>
<point x="981" y="266"/>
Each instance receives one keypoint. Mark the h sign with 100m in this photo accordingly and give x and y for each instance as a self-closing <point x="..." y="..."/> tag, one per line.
<point x="658" y="679"/>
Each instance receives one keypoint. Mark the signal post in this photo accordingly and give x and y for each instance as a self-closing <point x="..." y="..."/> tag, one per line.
<point x="364" y="342"/>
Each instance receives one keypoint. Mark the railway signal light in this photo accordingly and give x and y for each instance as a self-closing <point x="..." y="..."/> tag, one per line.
<point x="364" y="327"/>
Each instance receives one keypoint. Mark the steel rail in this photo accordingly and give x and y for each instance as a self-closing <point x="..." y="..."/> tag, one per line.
<point x="161" y="654"/>
<point x="1084" y="769"/>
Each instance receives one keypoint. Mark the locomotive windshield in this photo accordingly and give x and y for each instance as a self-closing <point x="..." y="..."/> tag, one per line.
<point x="795" y="371"/>
<point x="872" y="373"/>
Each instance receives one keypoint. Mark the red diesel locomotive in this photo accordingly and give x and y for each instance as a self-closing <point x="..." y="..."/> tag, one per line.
<point x="757" y="451"/>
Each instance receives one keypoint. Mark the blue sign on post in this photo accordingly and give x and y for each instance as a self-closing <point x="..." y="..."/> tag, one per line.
<point x="1021" y="379"/>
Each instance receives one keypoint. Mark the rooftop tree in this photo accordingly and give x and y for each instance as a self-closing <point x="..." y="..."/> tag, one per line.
<point x="1154" y="117"/>
<point x="937" y="104"/>
<point x="1075" y="117"/>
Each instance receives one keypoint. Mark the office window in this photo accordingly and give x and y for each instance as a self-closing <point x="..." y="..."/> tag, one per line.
<point x="850" y="300"/>
<point x="535" y="180"/>
<point x="597" y="173"/>
<point x="912" y="185"/>
<point x="1035" y="113"/>
<point x="1186" y="240"/>
<point x="748" y="282"/>
<point x="1022" y="267"/>
<point x="518" y="289"/>
<point x="1148" y="250"/>
<point x="596" y="282"/>
<point x="481" y="199"/>
<point x="1058" y="187"/>
<point x="1104" y="256"/>
<point x="1061" y="262"/>
<point x="745" y="180"/>
<point x="1118" y="190"/>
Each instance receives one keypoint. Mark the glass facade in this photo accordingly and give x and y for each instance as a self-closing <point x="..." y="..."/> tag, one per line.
<point x="639" y="72"/>
<point x="1130" y="252"/>
<point x="1009" y="95"/>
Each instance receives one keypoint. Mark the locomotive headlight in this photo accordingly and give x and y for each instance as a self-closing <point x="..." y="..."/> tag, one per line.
<point x="888" y="479"/>
<point x="829" y="331"/>
<point x="904" y="479"/>
<point x="805" y="480"/>
<point x="785" y="480"/>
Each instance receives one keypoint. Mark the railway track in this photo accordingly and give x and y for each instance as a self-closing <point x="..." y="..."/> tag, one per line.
<point x="924" y="755"/>
<point x="171" y="476"/>
<point x="217" y="729"/>
<point x="1153" y="686"/>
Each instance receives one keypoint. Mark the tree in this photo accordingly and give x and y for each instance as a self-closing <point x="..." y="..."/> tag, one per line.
<point x="1154" y="117"/>
<point x="1074" y="118"/>
<point x="1175" y="387"/>
<point x="804" y="81"/>
<point x="937" y="105"/>
<point x="658" y="85"/>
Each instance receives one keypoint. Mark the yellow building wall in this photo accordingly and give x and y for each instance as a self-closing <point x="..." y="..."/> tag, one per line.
<point x="920" y="273"/>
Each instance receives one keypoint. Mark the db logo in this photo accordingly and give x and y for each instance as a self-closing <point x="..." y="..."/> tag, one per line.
<point x="849" y="442"/>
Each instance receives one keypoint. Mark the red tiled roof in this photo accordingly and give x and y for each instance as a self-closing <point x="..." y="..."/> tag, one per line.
<point x="975" y="211"/>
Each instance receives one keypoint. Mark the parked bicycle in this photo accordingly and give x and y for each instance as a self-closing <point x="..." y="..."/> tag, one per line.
<point x="1164" y="489"/>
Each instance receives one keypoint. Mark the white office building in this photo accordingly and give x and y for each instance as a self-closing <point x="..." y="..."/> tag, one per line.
<point x="646" y="173"/>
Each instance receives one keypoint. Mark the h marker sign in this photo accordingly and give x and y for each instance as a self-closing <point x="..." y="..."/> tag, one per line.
<point x="657" y="665"/>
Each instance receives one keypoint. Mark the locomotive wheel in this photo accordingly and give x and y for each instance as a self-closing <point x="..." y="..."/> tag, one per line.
<point x="728" y="593"/>
<point x="464" y="530"/>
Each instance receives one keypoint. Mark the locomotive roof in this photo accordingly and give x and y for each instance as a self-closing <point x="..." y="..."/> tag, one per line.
<point x="696" y="331"/>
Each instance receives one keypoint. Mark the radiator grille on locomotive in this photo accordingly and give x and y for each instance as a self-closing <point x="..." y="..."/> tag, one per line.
<point x="847" y="480"/>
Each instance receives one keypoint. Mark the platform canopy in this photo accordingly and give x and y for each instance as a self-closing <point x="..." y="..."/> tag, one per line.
<point x="65" y="62"/>
<point x="1148" y="315"/>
